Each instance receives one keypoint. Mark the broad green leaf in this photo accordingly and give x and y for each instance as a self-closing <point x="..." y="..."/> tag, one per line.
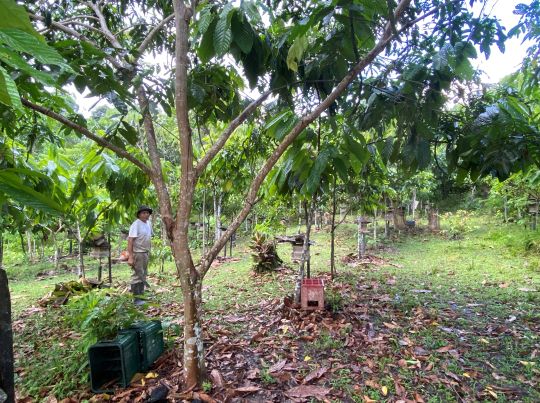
<point x="11" y="186"/>
<point x="15" y="16"/>
<point x="242" y="34"/>
<point x="314" y="179"/>
<point x="24" y="42"/>
<point x="17" y="62"/>
<point x="340" y="165"/>
<point x="222" y="33"/>
<point x="206" y="49"/>
<point x="205" y="19"/>
<point x="9" y="95"/>
<point x="296" y="51"/>
<point x="129" y="133"/>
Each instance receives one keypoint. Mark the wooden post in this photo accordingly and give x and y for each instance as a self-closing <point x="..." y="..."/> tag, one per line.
<point x="7" y="382"/>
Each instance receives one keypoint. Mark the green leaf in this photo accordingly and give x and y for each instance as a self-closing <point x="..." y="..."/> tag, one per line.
<point x="9" y="95"/>
<point x="340" y="165"/>
<point x="206" y="48"/>
<point x="24" y="42"/>
<point x="15" y="16"/>
<point x="17" y="62"/>
<point x="358" y="152"/>
<point x="314" y="179"/>
<point x="296" y="51"/>
<point x="242" y="34"/>
<point x="129" y="133"/>
<point x="12" y="186"/>
<point x="222" y="33"/>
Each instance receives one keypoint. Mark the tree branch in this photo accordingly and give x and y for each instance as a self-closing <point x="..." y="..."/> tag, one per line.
<point x="104" y="27"/>
<point x="293" y="134"/>
<point x="144" y="44"/>
<point x="224" y="136"/>
<point x="88" y="134"/>
<point x="157" y="177"/>
<point x="78" y="36"/>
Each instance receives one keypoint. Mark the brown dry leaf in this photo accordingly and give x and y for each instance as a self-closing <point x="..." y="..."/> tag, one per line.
<point x="217" y="378"/>
<point x="277" y="366"/>
<point x="50" y="399"/>
<point x="367" y="399"/>
<point x="307" y="391"/>
<point x="445" y="349"/>
<point x="391" y="325"/>
<point x="248" y="389"/>
<point x="316" y="374"/>
<point x="400" y="390"/>
<point x="420" y="351"/>
<point x="418" y="398"/>
<point x="402" y="363"/>
<point x="372" y="384"/>
<point x="205" y="398"/>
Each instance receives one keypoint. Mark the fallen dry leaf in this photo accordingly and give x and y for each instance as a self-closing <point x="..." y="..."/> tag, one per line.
<point x="307" y="391"/>
<point x="316" y="374"/>
<point x="248" y="389"/>
<point x="277" y="366"/>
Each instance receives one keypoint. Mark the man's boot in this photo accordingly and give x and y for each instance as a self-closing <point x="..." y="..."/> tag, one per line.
<point x="137" y="289"/>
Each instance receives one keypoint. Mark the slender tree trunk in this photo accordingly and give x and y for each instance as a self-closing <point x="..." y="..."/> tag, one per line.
<point x="7" y="382"/>
<point x="505" y="210"/>
<point x="217" y="215"/>
<point x="29" y="246"/>
<point x="80" y="268"/>
<point x="109" y="258"/>
<point x="413" y="206"/>
<point x="333" y="235"/>
<point x="375" y="227"/>
<point x="23" y="247"/>
<point x="204" y="224"/>
<point x="305" y="256"/>
<point x="1" y="250"/>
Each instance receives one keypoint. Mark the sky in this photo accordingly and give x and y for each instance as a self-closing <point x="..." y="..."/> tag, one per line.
<point x="494" y="69"/>
<point x="500" y="64"/>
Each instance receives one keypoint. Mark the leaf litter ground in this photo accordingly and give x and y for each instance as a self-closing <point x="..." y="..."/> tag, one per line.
<point x="382" y="341"/>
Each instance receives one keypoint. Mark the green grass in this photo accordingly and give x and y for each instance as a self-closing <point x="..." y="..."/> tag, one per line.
<point x="478" y="293"/>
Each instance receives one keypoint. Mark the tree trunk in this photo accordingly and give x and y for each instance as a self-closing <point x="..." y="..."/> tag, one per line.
<point x="433" y="220"/>
<point x="399" y="217"/>
<point x="1" y="250"/>
<point x="413" y="203"/>
<point x="80" y="268"/>
<point x="6" y="337"/>
<point x="305" y="257"/>
<point x="505" y="210"/>
<point x="375" y="227"/>
<point x="109" y="258"/>
<point x="204" y="223"/>
<point x="217" y="216"/>
<point x="333" y="235"/>
<point x="29" y="246"/>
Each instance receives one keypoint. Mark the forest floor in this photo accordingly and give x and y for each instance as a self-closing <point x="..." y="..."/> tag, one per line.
<point x="425" y="318"/>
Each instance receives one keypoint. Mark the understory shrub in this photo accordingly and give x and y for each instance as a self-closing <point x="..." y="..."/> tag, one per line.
<point x="100" y="314"/>
<point x="264" y="253"/>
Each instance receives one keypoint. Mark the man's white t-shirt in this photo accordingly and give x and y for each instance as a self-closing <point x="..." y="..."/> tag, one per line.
<point x="141" y="232"/>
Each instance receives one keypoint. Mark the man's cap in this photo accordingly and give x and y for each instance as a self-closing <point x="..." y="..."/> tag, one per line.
<point x="144" y="208"/>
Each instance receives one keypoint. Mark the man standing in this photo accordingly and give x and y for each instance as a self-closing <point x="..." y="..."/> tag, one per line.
<point x="139" y="237"/>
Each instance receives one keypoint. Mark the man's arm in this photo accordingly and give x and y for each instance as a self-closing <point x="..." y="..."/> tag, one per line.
<point x="130" y="251"/>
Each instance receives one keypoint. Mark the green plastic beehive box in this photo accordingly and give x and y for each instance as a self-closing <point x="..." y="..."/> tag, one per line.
<point x="150" y="336"/>
<point x="114" y="362"/>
